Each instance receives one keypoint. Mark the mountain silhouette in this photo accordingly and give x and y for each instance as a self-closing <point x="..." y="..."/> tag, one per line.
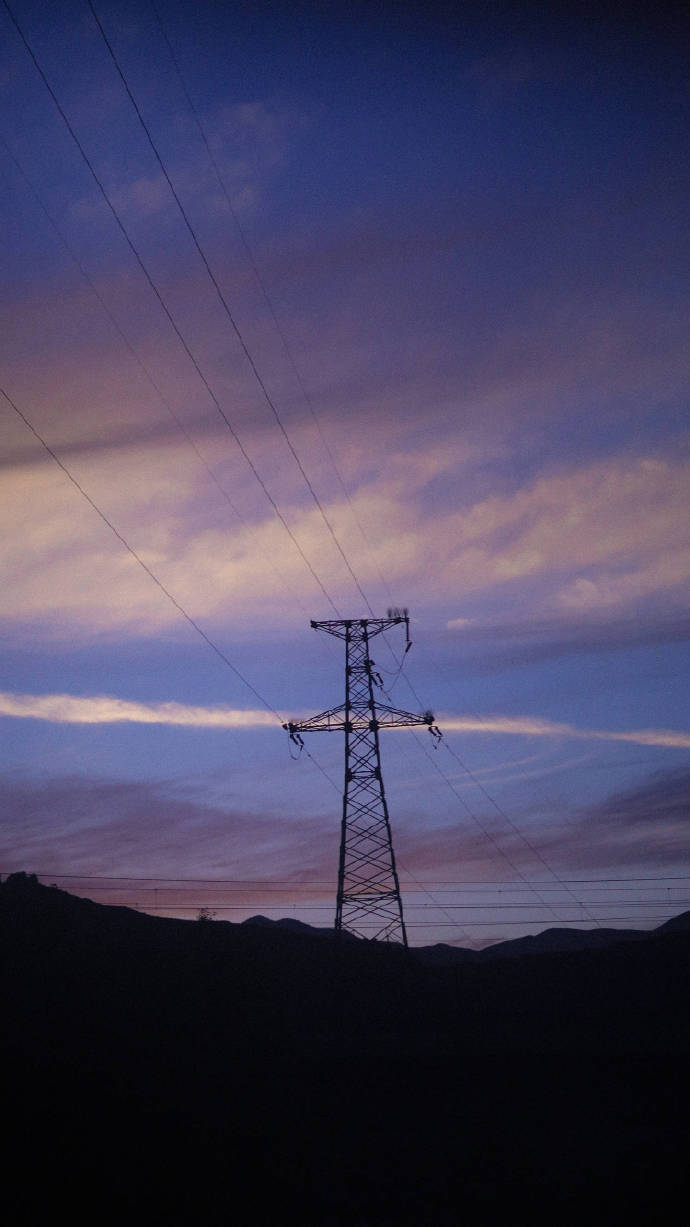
<point x="258" y="1073"/>
<point x="554" y="940"/>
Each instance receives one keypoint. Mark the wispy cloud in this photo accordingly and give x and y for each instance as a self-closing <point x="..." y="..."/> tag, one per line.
<point x="72" y="824"/>
<point x="603" y="540"/>
<point x="496" y="643"/>
<point x="641" y="826"/>
<point x="613" y="516"/>
<point x="530" y="726"/>
<point x="75" y="825"/>
<point x="251" y="140"/>
<point x="106" y="709"/>
<point x="645" y="825"/>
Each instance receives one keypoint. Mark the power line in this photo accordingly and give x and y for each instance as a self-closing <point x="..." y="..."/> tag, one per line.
<point x="290" y="899"/>
<point x="137" y="557"/>
<point x="267" y="298"/>
<point x="428" y="924"/>
<point x="319" y="907"/>
<point x="535" y="851"/>
<point x="159" y="584"/>
<point x="415" y="907"/>
<point x="412" y="924"/>
<point x="306" y="908"/>
<point x="159" y="392"/>
<point x="488" y="834"/>
<point x="424" y="888"/>
<point x="477" y="782"/>
<point x="226" y="308"/>
<point x="467" y="883"/>
<point x="165" y="308"/>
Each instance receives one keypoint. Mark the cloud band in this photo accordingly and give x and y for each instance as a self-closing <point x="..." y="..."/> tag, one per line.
<point x="105" y="709"/>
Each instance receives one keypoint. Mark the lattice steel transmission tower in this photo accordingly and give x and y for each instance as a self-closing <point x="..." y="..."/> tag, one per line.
<point x="368" y="901"/>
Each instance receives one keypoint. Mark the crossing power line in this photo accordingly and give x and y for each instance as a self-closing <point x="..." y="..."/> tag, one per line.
<point x="461" y="883"/>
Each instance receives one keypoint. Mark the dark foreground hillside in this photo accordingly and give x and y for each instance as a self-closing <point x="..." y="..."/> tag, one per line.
<point x="174" y="1071"/>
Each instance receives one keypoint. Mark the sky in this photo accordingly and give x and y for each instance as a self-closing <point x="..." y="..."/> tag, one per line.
<point x="309" y="311"/>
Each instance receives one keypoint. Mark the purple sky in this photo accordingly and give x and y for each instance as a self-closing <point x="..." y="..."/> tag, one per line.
<point x="454" y="246"/>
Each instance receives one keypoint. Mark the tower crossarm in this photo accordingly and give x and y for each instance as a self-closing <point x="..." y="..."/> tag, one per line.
<point x="338" y="719"/>
<point x="393" y="718"/>
<point x="329" y="721"/>
<point x="344" y="628"/>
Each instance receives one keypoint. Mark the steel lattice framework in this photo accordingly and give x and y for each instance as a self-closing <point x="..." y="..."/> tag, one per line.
<point x="368" y="901"/>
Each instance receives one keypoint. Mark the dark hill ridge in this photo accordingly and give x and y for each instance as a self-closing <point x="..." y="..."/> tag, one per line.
<point x="613" y="991"/>
<point x="549" y="941"/>
<point x="185" y="1066"/>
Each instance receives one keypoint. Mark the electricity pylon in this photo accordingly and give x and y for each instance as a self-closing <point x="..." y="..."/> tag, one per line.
<point x="368" y="902"/>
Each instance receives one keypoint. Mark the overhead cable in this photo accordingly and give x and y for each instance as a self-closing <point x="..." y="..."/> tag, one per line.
<point x="145" y="371"/>
<point x="228" y="312"/>
<point x="165" y="308"/>
<point x="268" y="300"/>
<point x="310" y="883"/>
<point x="151" y="574"/>
<point x="513" y="826"/>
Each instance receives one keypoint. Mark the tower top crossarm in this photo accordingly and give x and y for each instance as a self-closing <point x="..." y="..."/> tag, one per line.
<point x="343" y="627"/>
